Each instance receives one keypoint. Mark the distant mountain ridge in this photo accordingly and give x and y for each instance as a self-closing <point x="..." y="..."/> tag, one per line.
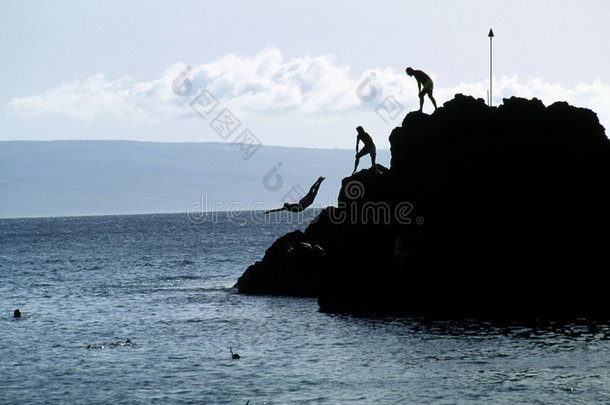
<point x="66" y="178"/>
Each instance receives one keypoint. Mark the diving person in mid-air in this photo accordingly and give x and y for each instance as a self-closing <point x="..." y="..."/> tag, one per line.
<point x="303" y="202"/>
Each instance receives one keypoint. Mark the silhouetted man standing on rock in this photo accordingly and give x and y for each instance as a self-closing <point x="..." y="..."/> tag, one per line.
<point x="369" y="147"/>
<point x="423" y="80"/>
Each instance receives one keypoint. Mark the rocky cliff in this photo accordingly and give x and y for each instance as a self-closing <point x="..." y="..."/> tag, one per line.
<point x="485" y="211"/>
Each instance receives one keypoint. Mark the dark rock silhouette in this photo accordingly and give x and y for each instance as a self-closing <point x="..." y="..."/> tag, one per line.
<point x="495" y="212"/>
<point x="291" y="266"/>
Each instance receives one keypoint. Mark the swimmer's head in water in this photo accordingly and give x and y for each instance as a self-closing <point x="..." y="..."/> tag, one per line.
<point x="17" y="313"/>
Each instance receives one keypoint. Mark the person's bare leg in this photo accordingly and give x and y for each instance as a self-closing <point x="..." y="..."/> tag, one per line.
<point x="432" y="99"/>
<point x="356" y="164"/>
<point x="275" y="210"/>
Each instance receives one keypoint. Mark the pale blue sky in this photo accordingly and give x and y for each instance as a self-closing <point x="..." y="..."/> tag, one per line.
<point x="103" y="69"/>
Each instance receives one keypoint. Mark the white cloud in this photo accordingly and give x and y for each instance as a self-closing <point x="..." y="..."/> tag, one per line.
<point x="94" y="97"/>
<point x="267" y="83"/>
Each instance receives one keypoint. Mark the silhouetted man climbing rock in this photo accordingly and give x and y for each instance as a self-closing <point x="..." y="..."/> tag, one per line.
<point x="369" y="147"/>
<point x="303" y="202"/>
<point x="423" y="80"/>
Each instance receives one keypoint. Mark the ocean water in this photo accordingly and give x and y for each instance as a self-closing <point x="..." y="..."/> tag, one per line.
<point x="85" y="285"/>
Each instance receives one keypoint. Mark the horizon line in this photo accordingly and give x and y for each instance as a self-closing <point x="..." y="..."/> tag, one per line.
<point x="166" y="142"/>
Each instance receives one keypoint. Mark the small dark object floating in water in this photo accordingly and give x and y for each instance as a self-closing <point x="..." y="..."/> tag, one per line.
<point x="234" y="355"/>
<point x="17" y="313"/>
